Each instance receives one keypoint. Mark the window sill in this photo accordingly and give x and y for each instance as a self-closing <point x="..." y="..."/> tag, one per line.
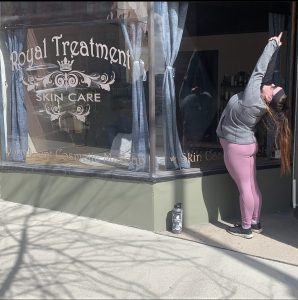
<point x="196" y="172"/>
<point x="159" y="176"/>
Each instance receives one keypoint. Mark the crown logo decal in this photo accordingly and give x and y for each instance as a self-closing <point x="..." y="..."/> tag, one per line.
<point x="65" y="65"/>
<point x="67" y="78"/>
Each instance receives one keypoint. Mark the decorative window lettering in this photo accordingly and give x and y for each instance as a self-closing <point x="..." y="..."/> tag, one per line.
<point x="72" y="49"/>
<point x="57" y="86"/>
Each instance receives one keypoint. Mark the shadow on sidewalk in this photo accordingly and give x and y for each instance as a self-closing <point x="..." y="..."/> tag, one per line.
<point x="278" y="241"/>
<point x="48" y="254"/>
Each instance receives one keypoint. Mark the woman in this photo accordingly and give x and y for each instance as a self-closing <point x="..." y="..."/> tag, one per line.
<point x="236" y="131"/>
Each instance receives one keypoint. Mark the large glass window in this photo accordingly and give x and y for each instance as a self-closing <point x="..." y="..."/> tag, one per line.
<point x="76" y="84"/>
<point x="221" y="43"/>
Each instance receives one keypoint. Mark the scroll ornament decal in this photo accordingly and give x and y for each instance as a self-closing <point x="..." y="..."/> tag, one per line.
<point x="67" y="78"/>
<point x="80" y="113"/>
<point x="54" y="112"/>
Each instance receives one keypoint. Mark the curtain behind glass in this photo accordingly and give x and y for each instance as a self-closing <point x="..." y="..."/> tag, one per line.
<point x="139" y="160"/>
<point x="276" y="25"/>
<point x="19" y="130"/>
<point x="3" y="102"/>
<point x="172" y="15"/>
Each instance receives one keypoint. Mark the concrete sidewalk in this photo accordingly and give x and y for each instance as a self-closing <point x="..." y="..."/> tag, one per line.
<point x="278" y="241"/>
<point x="52" y="255"/>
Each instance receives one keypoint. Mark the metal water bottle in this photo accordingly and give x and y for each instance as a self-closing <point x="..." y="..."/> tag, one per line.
<point x="177" y="218"/>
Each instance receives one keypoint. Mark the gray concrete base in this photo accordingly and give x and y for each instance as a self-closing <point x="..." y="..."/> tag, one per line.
<point x="139" y="204"/>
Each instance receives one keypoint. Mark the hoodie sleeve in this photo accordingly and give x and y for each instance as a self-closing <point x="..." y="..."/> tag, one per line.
<point x="252" y="92"/>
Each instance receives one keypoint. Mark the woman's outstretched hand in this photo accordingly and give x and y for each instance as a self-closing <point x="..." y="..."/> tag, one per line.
<point x="277" y="38"/>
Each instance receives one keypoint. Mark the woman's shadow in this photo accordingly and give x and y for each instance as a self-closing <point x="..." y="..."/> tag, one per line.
<point x="279" y="219"/>
<point x="220" y="196"/>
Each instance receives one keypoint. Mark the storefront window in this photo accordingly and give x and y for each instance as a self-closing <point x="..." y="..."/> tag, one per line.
<point x="74" y="89"/>
<point x="75" y="84"/>
<point x="219" y="48"/>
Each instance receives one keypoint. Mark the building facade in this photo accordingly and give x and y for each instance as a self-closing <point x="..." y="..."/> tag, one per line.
<point x="109" y="109"/>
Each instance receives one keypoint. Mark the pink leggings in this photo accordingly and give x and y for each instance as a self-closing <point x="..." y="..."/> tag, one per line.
<point x="240" y="161"/>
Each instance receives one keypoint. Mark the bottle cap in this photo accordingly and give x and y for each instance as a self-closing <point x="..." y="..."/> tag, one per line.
<point x="178" y="205"/>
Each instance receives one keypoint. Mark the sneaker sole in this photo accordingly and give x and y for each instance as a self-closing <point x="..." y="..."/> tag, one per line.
<point x="246" y="236"/>
<point x="257" y="230"/>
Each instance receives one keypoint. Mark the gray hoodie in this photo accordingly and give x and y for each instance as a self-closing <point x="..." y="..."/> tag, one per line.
<point x="244" y="110"/>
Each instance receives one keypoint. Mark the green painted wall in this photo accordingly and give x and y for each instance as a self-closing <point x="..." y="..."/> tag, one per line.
<point x="139" y="204"/>
<point x="121" y="202"/>
<point x="215" y="197"/>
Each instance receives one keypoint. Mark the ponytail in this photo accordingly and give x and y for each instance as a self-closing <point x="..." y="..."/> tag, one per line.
<point x="283" y="133"/>
<point x="284" y="139"/>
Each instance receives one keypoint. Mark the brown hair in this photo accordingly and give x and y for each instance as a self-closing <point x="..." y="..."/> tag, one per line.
<point x="283" y="137"/>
